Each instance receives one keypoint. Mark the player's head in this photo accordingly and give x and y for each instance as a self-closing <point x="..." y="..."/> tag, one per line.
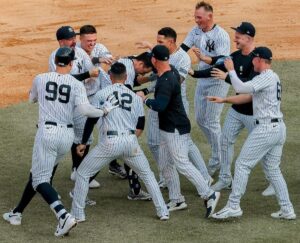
<point x="203" y="14"/>
<point x="167" y="37"/>
<point x="66" y="36"/>
<point x="118" y="73"/>
<point x="142" y="63"/>
<point x="88" y="37"/>
<point x="244" y="35"/>
<point x="64" y="57"/>
<point x="262" y="58"/>
<point x="160" y="56"/>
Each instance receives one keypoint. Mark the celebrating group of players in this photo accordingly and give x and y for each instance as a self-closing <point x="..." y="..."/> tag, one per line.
<point x="77" y="93"/>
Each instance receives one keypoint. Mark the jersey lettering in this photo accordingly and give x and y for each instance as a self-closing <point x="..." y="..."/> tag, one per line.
<point x="279" y="90"/>
<point x="63" y="92"/>
<point x="125" y="101"/>
<point x="210" y="45"/>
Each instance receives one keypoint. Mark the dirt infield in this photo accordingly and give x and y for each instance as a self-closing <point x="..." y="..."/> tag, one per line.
<point x="28" y="30"/>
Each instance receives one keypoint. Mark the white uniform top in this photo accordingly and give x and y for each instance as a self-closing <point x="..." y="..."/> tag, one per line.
<point x="211" y="43"/>
<point x="129" y="70"/>
<point x="266" y="95"/>
<point x="123" y="118"/>
<point x="81" y="64"/>
<point x="182" y="62"/>
<point x="57" y="94"/>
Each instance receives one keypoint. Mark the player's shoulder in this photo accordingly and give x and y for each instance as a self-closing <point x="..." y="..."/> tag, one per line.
<point x="79" y="52"/>
<point x="220" y="32"/>
<point x="196" y="30"/>
<point x="184" y="55"/>
<point x="52" y="55"/>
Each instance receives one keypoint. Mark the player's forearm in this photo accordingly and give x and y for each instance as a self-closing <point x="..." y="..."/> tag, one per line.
<point x="158" y="104"/>
<point x="238" y="99"/>
<point x="238" y="85"/>
<point x="90" y="111"/>
<point x="88" y="129"/>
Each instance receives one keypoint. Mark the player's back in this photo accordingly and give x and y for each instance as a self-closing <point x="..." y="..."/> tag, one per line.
<point x="125" y="117"/>
<point x="58" y="94"/>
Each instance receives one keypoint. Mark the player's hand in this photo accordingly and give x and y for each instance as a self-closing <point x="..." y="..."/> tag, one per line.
<point x="228" y="63"/>
<point x="107" y="60"/>
<point x="111" y="103"/>
<point x="141" y="94"/>
<point x="94" y="72"/>
<point x="218" y="74"/>
<point x="144" y="45"/>
<point x="215" y="99"/>
<point x="191" y="72"/>
<point x="80" y="149"/>
<point x="198" y="53"/>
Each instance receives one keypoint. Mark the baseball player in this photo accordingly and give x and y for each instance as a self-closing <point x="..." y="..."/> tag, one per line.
<point x="266" y="140"/>
<point x="118" y="134"/>
<point x="99" y="54"/>
<point x="212" y="40"/>
<point x="66" y="36"/>
<point x="175" y="130"/>
<point x="182" y="62"/>
<point x="57" y="93"/>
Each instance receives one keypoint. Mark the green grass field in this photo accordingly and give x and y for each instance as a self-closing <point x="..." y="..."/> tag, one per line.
<point x="115" y="219"/>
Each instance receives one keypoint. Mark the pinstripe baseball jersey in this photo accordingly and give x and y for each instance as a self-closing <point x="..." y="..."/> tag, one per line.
<point x="57" y="95"/>
<point x="182" y="62"/>
<point x="125" y="117"/>
<point x="211" y="43"/>
<point x="81" y="64"/>
<point x="129" y="70"/>
<point x="267" y="95"/>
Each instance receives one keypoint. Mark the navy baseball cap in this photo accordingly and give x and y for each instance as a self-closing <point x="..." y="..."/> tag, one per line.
<point x="262" y="52"/>
<point x="161" y="53"/>
<point x="65" y="32"/>
<point x="245" y="28"/>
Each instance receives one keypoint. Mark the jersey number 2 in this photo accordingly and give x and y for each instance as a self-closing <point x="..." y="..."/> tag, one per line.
<point x="125" y="101"/>
<point x="54" y="90"/>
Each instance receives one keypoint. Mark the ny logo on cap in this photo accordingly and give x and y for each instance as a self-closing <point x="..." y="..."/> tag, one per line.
<point x="71" y="30"/>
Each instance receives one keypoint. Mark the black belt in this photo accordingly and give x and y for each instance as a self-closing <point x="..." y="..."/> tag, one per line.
<point x="116" y="133"/>
<point x="273" y="120"/>
<point x="55" y="124"/>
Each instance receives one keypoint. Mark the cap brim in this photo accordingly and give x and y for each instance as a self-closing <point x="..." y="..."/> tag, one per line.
<point x="238" y="30"/>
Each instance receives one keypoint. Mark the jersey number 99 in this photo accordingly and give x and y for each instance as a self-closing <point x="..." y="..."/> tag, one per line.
<point x="53" y="90"/>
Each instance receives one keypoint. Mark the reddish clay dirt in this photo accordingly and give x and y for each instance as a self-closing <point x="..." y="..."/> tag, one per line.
<point x="28" y="29"/>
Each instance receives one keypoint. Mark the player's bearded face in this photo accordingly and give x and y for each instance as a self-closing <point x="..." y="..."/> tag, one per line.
<point x="68" y="42"/>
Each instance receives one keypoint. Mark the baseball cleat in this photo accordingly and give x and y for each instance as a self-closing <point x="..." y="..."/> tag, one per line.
<point x="13" y="218"/>
<point x="220" y="185"/>
<point x="228" y="212"/>
<point x="282" y="215"/>
<point x="65" y="225"/>
<point x="164" y="217"/>
<point x="173" y="206"/>
<point x="88" y="202"/>
<point x="117" y="171"/>
<point x="211" y="203"/>
<point x="94" y="184"/>
<point x="142" y="196"/>
<point x="269" y="191"/>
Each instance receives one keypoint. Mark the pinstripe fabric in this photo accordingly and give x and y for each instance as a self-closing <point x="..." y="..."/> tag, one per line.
<point x="124" y="146"/>
<point x="233" y="124"/>
<point x="174" y="149"/>
<point x="212" y="43"/>
<point x="265" y="142"/>
<point x="53" y="142"/>
<point x="129" y="70"/>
